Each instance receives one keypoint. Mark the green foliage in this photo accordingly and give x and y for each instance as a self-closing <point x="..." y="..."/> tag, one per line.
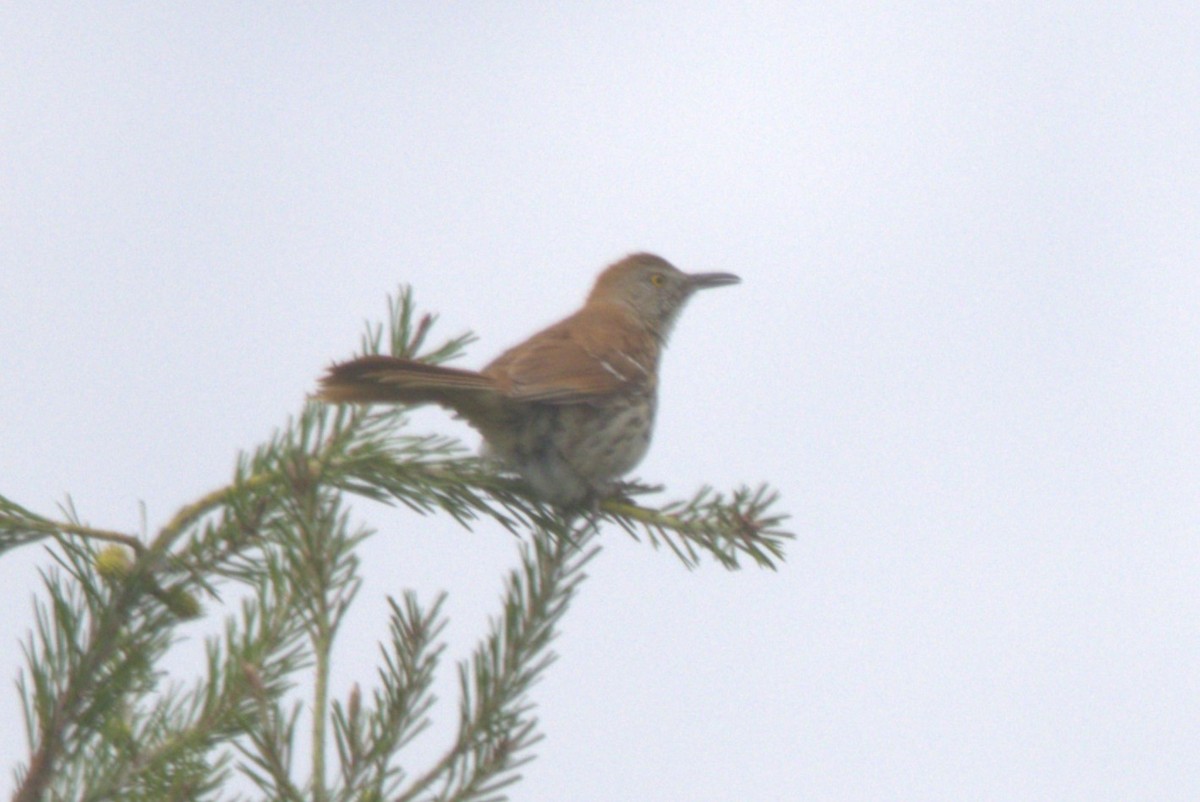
<point x="105" y="723"/>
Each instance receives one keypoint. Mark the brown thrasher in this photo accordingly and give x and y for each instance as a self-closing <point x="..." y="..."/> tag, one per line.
<point x="570" y="409"/>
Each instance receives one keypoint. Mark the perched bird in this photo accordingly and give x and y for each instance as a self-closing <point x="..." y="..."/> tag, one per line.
<point x="571" y="409"/>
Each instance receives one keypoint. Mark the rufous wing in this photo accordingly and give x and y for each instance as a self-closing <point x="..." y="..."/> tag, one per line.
<point x="589" y="356"/>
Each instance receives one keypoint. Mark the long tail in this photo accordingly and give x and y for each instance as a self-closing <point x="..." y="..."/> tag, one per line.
<point x="388" y="379"/>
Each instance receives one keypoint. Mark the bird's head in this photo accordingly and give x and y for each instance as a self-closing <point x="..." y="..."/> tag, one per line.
<point x="653" y="288"/>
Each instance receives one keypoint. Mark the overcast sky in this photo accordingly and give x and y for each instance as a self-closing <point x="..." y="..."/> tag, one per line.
<point x="965" y="349"/>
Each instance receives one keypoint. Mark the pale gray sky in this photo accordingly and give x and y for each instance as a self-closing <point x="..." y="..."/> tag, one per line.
<point x="965" y="348"/>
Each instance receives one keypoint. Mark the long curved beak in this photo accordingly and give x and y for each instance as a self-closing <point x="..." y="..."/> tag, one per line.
<point x="702" y="281"/>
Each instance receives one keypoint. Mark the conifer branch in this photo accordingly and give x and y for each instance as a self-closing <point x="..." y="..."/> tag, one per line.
<point x="19" y="527"/>
<point x="743" y="525"/>
<point x="369" y="740"/>
<point x="103" y="722"/>
<point x="496" y="725"/>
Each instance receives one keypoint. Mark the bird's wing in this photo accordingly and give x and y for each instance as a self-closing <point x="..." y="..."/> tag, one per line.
<point x="589" y="356"/>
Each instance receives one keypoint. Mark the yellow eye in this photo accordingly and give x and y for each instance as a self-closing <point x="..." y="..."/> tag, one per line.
<point x="657" y="279"/>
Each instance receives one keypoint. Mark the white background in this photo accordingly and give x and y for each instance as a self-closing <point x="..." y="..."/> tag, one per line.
<point x="965" y="348"/>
